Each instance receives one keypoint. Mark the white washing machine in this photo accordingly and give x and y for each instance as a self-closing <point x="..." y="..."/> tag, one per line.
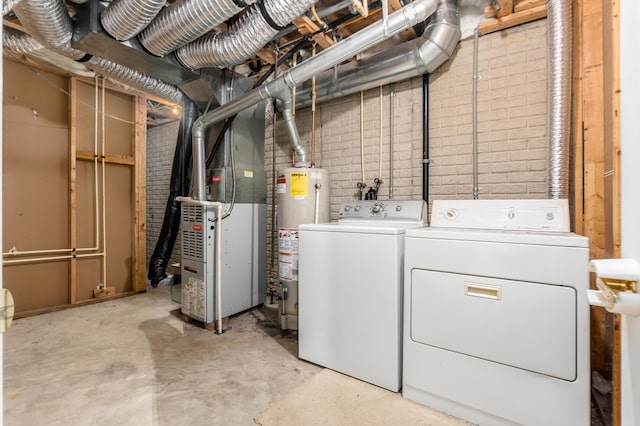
<point x="496" y="321"/>
<point x="350" y="289"/>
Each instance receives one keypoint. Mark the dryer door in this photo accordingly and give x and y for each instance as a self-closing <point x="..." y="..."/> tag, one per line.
<point x="526" y="325"/>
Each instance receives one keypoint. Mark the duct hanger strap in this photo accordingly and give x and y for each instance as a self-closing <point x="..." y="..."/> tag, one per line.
<point x="267" y="17"/>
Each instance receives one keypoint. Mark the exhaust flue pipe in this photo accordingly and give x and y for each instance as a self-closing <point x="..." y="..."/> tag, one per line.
<point x="404" y="18"/>
<point x="559" y="117"/>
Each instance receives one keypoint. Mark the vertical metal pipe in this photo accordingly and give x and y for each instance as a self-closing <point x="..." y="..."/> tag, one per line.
<point x="474" y="113"/>
<point x="392" y="97"/>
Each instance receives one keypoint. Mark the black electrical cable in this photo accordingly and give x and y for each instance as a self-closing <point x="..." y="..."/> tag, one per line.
<point x="425" y="138"/>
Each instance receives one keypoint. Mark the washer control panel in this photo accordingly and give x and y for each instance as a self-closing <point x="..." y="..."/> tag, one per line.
<point x="396" y="210"/>
<point x="531" y="215"/>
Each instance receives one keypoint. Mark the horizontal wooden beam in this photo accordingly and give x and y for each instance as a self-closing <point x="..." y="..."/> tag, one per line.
<point x="307" y="26"/>
<point x="528" y="4"/>
<point x="126" y="160"/>
<point x="513" y="20"/>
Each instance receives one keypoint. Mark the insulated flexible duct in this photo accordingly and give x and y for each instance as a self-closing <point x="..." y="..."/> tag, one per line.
<point x="55" y="33"/>
<point x="398" y="63"/>
<point x="23" y="44"/>
<point x="8" y="5"/>
<point x="48" y="22"/>
<point x="406" y="17"/>
<point x="19" y="42"/>
<point x="124" y="19"/>
<point x="185" y="21"/>
<point x="240" y="42"/>
<point x="559" y="24"/>
<point x="137" y="80"/>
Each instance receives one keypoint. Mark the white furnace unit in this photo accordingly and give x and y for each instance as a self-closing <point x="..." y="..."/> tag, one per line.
<point x="496" y="321"/>
<point x="242" y="260"/>
<point x="350" y="289"/>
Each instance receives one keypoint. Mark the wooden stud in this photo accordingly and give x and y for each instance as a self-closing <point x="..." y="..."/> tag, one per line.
<point x="73" y="232"/>
<point x="512" y="20"/>
<point x="506" y="8"/>
<point x="611" y="60"/>
<point x="578" y="145"/>
<point x="594" y="215"/>
<point x="139" y="193"/>
<point x="527" y="4"/>
<point x="126" y="160"/>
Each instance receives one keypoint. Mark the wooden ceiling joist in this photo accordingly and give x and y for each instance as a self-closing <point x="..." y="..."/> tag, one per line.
<point x="513" y="20"/>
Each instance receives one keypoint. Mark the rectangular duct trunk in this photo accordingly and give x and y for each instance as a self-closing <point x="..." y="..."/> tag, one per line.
<point x="90" y="37"/>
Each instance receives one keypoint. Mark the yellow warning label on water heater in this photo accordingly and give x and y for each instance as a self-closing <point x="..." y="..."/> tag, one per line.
<point x="299" y="184"/>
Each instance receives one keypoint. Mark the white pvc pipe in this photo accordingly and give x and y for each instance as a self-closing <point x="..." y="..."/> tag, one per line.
<point x="104" y="195"/>
<point x="49" y="258"/>
<point x="95" y="180"/>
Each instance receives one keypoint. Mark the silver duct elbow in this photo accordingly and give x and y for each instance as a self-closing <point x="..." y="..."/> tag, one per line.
<point x="559" y="24"/>
<point x="185" y="21"/>
<point x="248" y="35"/>
<point x="124" y="19"/>
<point x="398" y="63"/>
<point x="440" y="38"/>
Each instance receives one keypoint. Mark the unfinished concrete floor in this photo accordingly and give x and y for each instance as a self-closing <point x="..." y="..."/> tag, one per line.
<point x="132" y="361"/>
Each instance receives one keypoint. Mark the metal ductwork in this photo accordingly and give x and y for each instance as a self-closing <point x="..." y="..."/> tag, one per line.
<point x="185" y="21"/>
<point x="240" y="42"/>
<point x="404" y="18"/>
<point x="137" y="80"/>
<point x="8" y="5"/>
<point x="285" y="105"/>
<point x="559" y="124"/>
<point x="124" y="19"/>
<point x="19" y="42"/>
<point x="55" y="34"/>
<point x="48" y="22"/>
<point x="410" y="59"/>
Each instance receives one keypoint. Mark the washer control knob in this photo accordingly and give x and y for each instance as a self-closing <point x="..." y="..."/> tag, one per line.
<point x="376" y="208"/>
<point x="511" y="214"/>
<point x="356" y="208"/>
<point x="550" y="216"/>
<point x="398" y="207"/>
<point x="452" y="213"/>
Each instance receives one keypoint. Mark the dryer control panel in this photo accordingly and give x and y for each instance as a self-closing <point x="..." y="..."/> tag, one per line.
<point x="530" y="215"/>
<point x="389" y="210"/>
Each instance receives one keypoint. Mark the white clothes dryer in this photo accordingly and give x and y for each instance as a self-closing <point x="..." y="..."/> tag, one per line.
<point x="496" y="321"/>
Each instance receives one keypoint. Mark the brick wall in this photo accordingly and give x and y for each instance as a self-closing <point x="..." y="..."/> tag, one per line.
<point x="512" y="117"/>
<point x="161" y="144"/>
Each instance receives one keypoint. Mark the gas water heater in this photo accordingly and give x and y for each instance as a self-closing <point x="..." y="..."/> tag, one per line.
<point x="303" y="197"/>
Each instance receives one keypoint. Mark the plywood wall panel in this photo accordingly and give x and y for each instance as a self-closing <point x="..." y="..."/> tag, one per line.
<point x="35" y="188"/>
<point x="37" y="287"/>
<point x="120" y="226"/>
<point x="89" y="275"/>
